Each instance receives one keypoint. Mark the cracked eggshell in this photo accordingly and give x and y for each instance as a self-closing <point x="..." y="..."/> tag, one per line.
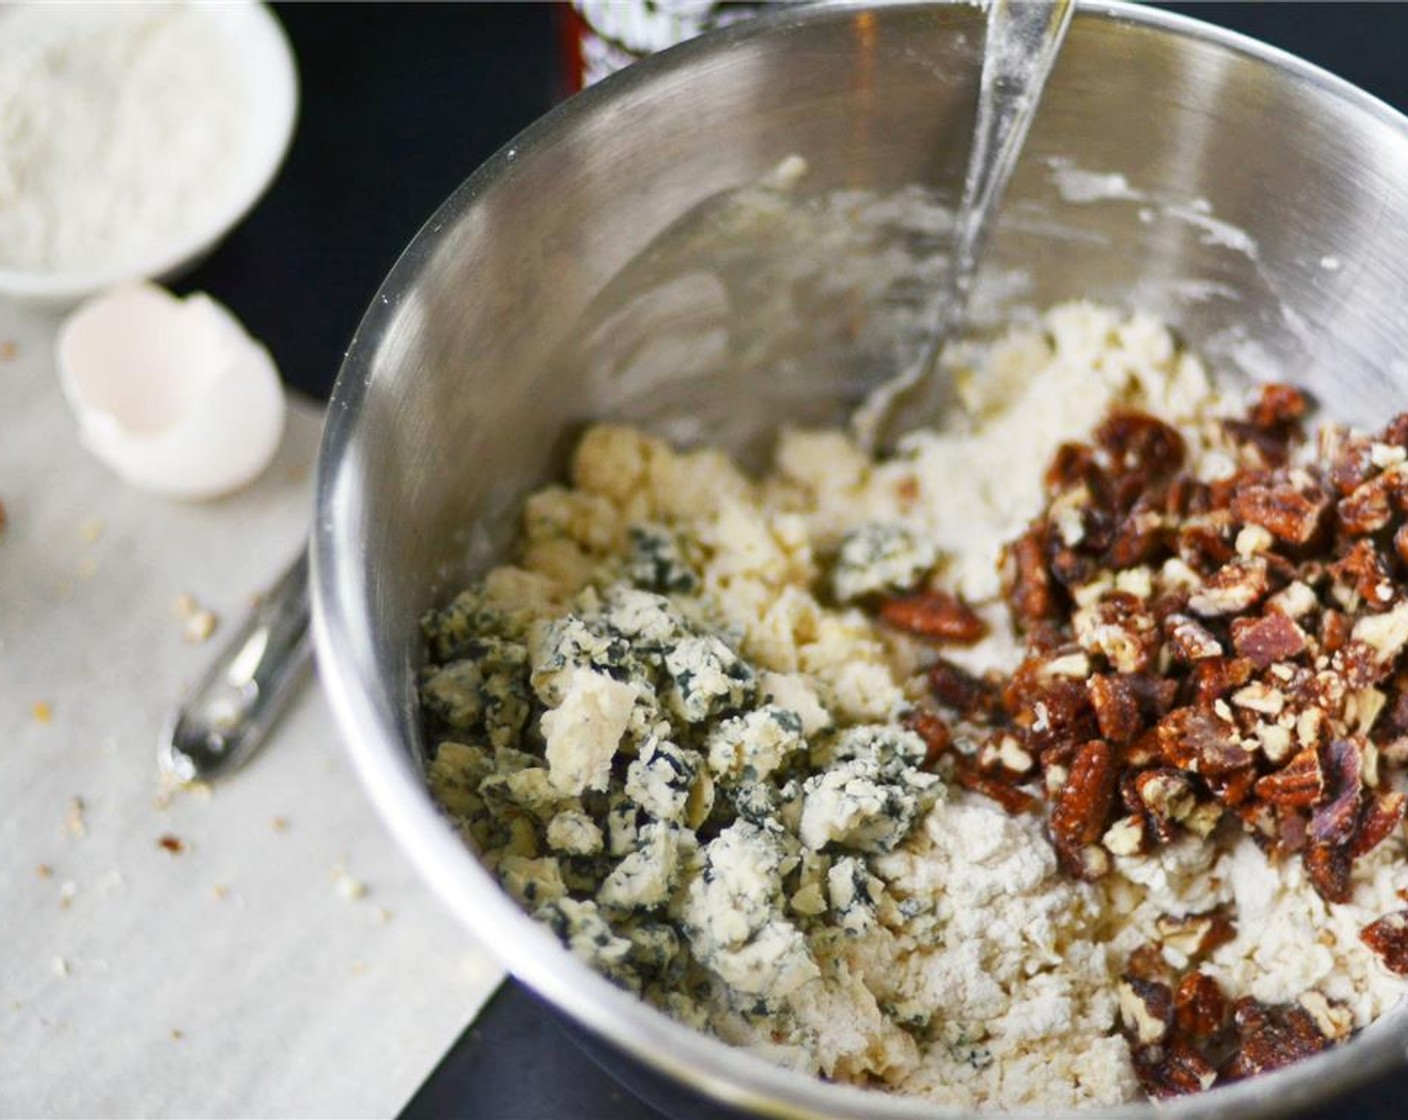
<point x="172" y="394"/>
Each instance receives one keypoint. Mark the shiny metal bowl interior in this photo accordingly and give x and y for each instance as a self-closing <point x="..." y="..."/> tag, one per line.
<point x="614" y="261"/>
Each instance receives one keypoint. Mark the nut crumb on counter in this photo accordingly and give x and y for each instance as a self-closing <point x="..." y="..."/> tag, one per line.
<point x="1037" y="765"/>
<point x="171" y="844"/>
<point x="42" y="712"/>
<point x="75" y="818"/>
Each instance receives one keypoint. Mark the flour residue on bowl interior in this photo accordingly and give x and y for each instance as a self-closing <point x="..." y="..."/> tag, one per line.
<point x="121" y="133"/>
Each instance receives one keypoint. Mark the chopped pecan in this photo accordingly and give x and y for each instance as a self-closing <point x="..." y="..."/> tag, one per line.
<point x="1009" y="796"/>
<point x="1205" y="541"/>
<point x="1350" y="457"/>
<point x="1239" y="584"/>
<point x="1146" y="1010"/>
<point x="1196" y="935"/>
<point x="957" y="689"/>
<point x="1271" y="1038"/>
<point x="1147" y="963"/>
<point x="1364" y="571"/>
<point x="1189" y="639"/>
<point x="1335" y="629"/>
<point x="1334" y="1020"/>
<point x="1337" y="819"/>
<point x="1075" y="465"/>
<point x="1400" y="542"/>
<point x="1278" y="405"/>
<point x="1214" y="677"/>
<point x="1168" y="796"/>
<point x="1388" y="937"/>
<point x="1195" y="739"/>
<point x="1328" y="866"/>
<point x="1031" y="595"/>
<point x="1288" y="512"/>
<point x="1300" y="782"/>
<point x="1379" y="817"/>
<point x="1055" y="713"/>
<point x="933" y="730"/>
<point x="1199" y="1007"/>
<point x="1266" y="640"/>
<point x="1174" y="1070"/>
<point x="1370" y="507"/>
<point x="934" y="614"/>
<point x="1082" y="806"/>
<point x="1141" y="444"/>
<point x="1120" y="628"/>
<point x="1117" y="707"/>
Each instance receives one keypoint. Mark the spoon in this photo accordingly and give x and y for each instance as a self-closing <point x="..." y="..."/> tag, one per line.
<point x="1022" y="41"/>
<point x="226" y="718"/>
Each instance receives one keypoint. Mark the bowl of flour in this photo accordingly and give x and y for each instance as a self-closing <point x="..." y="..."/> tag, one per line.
<point x="133" y="138"/>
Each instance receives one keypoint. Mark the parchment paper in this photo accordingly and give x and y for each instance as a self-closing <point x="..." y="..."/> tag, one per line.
<point x="286" y="961"/>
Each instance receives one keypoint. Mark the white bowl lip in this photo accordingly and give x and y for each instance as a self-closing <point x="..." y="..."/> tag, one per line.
<point x="258" y="25"/>
<point x="526" y="948"/>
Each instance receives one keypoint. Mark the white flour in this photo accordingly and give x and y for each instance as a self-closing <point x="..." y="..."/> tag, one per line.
<point x="120" y="132"/>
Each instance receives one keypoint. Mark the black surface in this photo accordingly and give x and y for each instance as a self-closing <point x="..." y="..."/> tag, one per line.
<point x="399" y="104"/>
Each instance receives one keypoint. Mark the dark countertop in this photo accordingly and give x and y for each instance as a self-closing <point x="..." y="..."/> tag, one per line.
<point x="399" y="104"/>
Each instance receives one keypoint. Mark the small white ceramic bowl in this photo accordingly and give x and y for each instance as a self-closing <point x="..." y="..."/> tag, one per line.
<point x="260" y="52"/>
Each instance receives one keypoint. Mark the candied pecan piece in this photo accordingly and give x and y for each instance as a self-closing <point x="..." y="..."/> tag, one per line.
<point x="1335" y="629"/>
<point x="1168" y="797"/>
<point x="1238" y="585"/>
<point x="1266" y="640"/>
<point x="1082" y="806"/>
<point x="1359" y="665"/>
<point x="1350" y="456"/>
<point x="1174" y="1070"/>
<point x="1395" y="432"/>
<point x="1009" y="796"/>
<point x="1329" y="866"/>
<point x="1146" y="1010"/>
<point x="1301" y="782"/>
<point x="1364" y="570"/>
<point x="1288" y="512"/>
<point x="1140" y="444"/>
<point x="1031" y="595"/>
<point x="1336" y="820"/>
<point x="1400" y="542"/>
<point x="1075" y="465"/>
<point x="1189" y="639"/>
<point x="1147" y="963"/>
<point x="1388" y="937"/>
<point x="1199" y="1007"/>
<point x="1370" y="506"/>
<point x="1214" y="677"/>
<point x="1117" y="707"/>
<point x="1054" y="713"/>
<point x="1120" y="627"/>
<point x="1197" y="740"/>
<point x="933" y="730"/>
<point x="1256" y="446"/>
<point x="960" y="690"/>
<point x="1379" y="817"/>
<point x="1196" y="935"/>
<point x="1232" y="787"/>
<point x="1277" y="405"/>
<point x="1271" y="1038"/>
<point x="1205" y="542"/>
<point x="934" y="614"/>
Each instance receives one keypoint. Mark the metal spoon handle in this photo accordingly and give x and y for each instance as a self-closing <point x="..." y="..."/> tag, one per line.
<point x="227" y="715"/>
<point x="1022" y="42"/>
<point x="1023" y="39"/>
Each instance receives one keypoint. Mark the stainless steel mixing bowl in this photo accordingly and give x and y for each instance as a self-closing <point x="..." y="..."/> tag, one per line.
<point x="619" y="260"/>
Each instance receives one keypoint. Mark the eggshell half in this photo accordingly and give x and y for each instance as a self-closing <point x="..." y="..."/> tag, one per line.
<point x="172" y="394"/>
